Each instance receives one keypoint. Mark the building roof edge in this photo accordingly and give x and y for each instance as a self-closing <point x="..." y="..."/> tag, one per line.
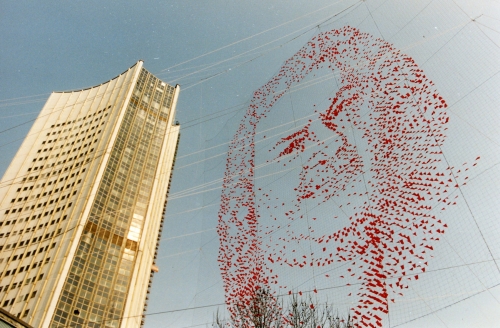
<point x="94" y="86"/>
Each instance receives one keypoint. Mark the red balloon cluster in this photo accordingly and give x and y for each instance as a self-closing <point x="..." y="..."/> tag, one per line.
<point x="401" y="118"/>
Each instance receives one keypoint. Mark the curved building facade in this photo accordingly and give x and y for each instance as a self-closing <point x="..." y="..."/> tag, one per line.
<point x="82" y="204"/>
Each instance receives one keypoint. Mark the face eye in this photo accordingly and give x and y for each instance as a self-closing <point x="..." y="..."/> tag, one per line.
<point x="294" y="143"/>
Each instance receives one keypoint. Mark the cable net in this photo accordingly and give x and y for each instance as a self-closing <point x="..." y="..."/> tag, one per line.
<point x="347" y="201"/>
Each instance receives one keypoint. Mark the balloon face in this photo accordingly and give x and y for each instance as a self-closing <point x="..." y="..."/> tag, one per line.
<point x="348" y="174"/>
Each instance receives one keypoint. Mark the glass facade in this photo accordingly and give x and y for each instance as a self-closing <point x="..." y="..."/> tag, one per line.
<point x="95" y="290"/>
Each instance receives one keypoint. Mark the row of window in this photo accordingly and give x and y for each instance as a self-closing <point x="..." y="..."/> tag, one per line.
<point x="100" y="117"/>
<point x="48" y="193"/>
<point x="77" y="127"/>
<point x="6" y="288"/>
<point x="30" y="241"/>
<point x="48" y="184"/>
<point x="11" y="301"/>
<point x="85" y="161"/>
<point x="25" y="188"/>
<point x="81" y="118"/>
<point x="63" y="153"/>
<point x="57" y="172"/>
<point x="61" y="162"/>
<point x="41" y="225"/>
<point x="55" y="191"/>
<point x="14" y="210"/>
<point x="25" y="219"/>
<point x="76" y="141"/>
<point x="67" y="144"/>
<point x="26" y="267"/>
<point x="57" y="199"/>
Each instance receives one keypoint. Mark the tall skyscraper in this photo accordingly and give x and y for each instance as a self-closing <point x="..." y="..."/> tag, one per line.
<point x="82" y="204"/>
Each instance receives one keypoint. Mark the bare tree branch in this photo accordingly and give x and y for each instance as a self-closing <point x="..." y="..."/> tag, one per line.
<point x="265" y="311"/>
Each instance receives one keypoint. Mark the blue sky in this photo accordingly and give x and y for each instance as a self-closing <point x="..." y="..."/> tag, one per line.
<point x="220" y="52"/>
